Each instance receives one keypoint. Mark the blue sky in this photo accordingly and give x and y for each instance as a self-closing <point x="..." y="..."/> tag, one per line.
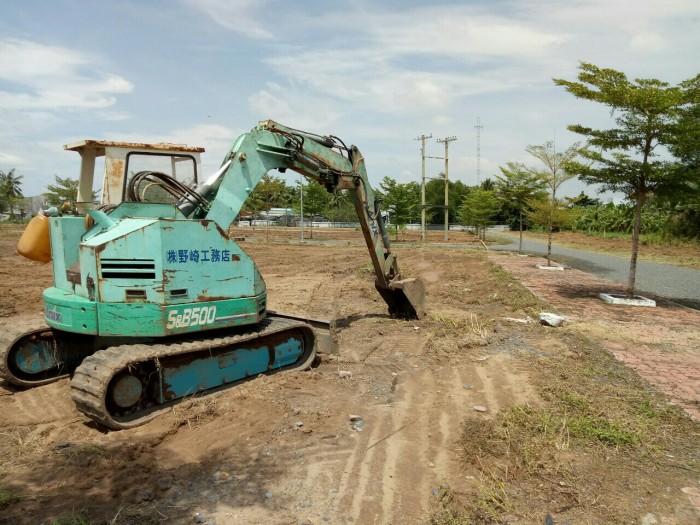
<point x="377" y="73"/>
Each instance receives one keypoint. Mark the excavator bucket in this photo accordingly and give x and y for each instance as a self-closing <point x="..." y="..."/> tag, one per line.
<point x="405" y="298"/>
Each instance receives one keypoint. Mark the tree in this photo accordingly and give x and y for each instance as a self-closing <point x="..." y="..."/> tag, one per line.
<point x="583" y="201"/>
<point x="551" y="213"/>
<point x="401" y="201"/>
<point x="316" y="200"/>
<point x="517" y="188"/>
<point x="478" y="209"/>
<point x="271" y="192"/>
<point x="435" y="198"/>
<point x="556" y="172"/>
<point x="685" y="197"/>
<point x="340" y="207"/>
<point x="10" y="190"/>
<point x="65" y="190"/>
<point x="647" y="112"/>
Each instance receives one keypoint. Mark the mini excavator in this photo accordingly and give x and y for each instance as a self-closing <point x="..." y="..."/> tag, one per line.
<point x="153" y="301"/>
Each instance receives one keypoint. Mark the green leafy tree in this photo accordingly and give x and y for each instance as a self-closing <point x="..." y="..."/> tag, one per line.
<point x="488" y="184"/>
<point x="685" y="197"/>
<point x="516" y="188"/>
<point x="435" y="198"/>
<point x="316" y="201"/>
<point x="65" y="190"/>
<point x="557" y="170"/>
<point x="401" y="201"/>
<point x="11" y="191"/>
<point x="551" y="213"/>
<point x="584" y="201"/>
<point x="340" y="208"/>
<point x="646" y="114"/>
<point x="271" y="192"/>
<point x="478" y="209"/>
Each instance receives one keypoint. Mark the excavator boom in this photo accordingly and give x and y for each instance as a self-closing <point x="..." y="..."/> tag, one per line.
<point x="327" y="161"/>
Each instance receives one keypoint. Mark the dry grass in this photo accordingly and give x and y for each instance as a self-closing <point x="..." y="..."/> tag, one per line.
<point x="196" y="410"/>
<point x="590" y="404"/>
<point x="17" y="444"/>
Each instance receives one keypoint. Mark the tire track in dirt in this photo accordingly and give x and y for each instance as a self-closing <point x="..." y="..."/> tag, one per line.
<point x="43" y="404"/>
<point x="419" y="436"/>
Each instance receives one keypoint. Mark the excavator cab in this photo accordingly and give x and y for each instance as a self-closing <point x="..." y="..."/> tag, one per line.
<point x="122" y="160"/>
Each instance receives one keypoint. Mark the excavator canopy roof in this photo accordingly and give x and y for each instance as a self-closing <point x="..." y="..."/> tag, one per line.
<point x="101" y="144"/>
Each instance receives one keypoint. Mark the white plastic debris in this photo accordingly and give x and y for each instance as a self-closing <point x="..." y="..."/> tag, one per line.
<point x="550" y="319"/>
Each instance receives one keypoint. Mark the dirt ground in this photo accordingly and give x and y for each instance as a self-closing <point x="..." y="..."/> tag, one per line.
<point x="467" y="416"/>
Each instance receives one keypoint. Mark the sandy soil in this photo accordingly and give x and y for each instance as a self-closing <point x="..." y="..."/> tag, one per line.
<point x="282" y="449"/>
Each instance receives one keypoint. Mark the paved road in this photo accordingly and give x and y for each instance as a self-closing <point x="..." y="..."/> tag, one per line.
<point x="678" y="284"/>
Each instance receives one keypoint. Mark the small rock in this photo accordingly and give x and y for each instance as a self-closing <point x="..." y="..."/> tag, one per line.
<point x="467" y="386"/>
<point x="296" y="410"/>
<point x="436" y="492"/>
<point x="267" y="495"/>
<point x="480" y="408"/>
<point x="199" y="518"/>
<point x="164" y="483"/>
<point x="431" y="464"/>
<point x="345" y="373"/>
<point x="357" y="425"/>
<point x="298" y="424"/>
<point x="524" y="320"/>
<point x="220" y="476"/>
<point x="355" y="417"/>
<point x="550" y="319"/>
<point x="649" y="519"/>
<point x="84" y="461"/>
<point x="144" y="495"/>
<point x="416" y="327"/>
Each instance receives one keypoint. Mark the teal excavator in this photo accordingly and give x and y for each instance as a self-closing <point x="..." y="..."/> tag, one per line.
<point x="153" y="301"/>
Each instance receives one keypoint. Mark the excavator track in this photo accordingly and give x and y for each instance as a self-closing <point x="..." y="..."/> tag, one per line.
<point x="22" y="342"/>
<point x="111" y="374"/>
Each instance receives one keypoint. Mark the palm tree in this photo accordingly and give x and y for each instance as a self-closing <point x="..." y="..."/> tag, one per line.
<point x="10" y="189"/>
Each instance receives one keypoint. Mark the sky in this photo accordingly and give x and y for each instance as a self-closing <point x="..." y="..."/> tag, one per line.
<point x="376" y="73"/>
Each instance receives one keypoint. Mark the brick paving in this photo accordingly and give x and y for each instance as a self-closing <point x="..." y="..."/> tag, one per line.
<point x="662" y="344"/>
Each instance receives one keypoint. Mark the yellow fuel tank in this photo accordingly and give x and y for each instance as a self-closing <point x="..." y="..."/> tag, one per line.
<point x="35" y="243"/>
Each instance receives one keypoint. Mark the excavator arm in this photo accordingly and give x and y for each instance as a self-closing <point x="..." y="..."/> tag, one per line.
<point x="325" y="160"/>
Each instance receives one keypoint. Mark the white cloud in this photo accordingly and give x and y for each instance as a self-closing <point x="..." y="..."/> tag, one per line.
<point x="462" y="31"/>
<point x="36" y="76"/>
<point x="238" y="15"/>
<point x="8" y="159"/>
<point x="293" y="109"/>
<point x="648" y="41"/>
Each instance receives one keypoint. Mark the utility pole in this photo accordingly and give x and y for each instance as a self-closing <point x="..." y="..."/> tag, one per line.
<point x="447" y="141"/>
<point x="422" y="139"/>
<point x="301" y="194"/>
<point x="478" y="150"/>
